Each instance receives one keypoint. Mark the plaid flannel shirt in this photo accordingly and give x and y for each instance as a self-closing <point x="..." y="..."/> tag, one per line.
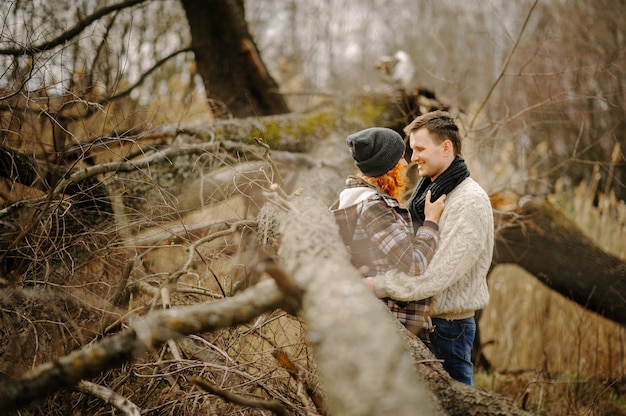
<point x="379" y="235"/>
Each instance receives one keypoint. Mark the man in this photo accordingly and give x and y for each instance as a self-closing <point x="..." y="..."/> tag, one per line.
<point x="456" y="277"/>
<point x="377" y="230"/>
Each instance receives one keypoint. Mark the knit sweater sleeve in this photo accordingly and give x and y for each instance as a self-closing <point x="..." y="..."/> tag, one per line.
<point x="468" y="220"/>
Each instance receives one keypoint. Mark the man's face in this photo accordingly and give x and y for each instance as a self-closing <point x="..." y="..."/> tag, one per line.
<point x="431" y="158"/>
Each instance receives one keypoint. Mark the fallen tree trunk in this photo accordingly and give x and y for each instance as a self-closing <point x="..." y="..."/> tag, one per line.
<point x="362" y="359"/>
<point x="541" y="239"/>
<point x="144" y="184"/>
<point x="456" y="399"/>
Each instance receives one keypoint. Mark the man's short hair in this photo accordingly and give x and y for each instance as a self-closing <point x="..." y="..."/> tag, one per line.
<point x="441" y="126"/>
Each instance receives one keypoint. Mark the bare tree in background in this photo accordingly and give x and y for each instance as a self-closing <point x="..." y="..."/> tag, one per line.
<point x="235" y="77"/>
<point x="581" y="78"/>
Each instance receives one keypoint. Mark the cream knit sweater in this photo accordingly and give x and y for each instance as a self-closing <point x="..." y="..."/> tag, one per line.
<point x="456" y="277"/>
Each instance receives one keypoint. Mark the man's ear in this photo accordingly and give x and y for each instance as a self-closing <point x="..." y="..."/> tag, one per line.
<point x="447" y="147"/>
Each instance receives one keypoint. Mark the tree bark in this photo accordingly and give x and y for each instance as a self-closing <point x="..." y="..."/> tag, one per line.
<point x="457" y="399"/>
<point x="235" y="77"/>
<point x="362" y="361"/>
<point x="541" y="239"/>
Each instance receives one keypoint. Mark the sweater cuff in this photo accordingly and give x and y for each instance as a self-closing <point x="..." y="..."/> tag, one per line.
<point x="379" y="286"/>
<point x="431" y="224"/>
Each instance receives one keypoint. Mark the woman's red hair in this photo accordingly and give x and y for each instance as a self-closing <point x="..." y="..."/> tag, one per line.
<point x="392" y="183"/>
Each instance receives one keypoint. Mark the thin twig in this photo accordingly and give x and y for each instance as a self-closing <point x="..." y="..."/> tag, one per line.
<point x="271" y="405"/>
<point x="504" y="67"/>
<point x="121" y="296"/>
<point x="109" y="396"/>
<point x="233" y="227"/>
<point x="268" y="159"/>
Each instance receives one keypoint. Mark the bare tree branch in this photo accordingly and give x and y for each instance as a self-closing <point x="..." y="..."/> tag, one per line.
<point x="109" y="396"/>
<point x="91" y="107"/>
<point x="70" y="33"/>
<point x="149" y="332"/>
<point x="504" y="66"/>
<point x="140" y="80"/>
<point x="272" y="405"/>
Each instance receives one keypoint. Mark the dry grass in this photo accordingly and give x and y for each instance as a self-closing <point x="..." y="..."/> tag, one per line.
<point x="546" y="351"/>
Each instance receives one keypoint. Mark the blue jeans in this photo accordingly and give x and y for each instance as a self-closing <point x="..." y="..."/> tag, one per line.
<point x="452" y="341"/>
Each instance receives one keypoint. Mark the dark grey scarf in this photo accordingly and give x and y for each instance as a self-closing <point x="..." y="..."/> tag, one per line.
<point x="444" y="184"/>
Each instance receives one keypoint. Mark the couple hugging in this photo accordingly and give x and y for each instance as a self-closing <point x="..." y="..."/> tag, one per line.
<point x="427" y="261"/>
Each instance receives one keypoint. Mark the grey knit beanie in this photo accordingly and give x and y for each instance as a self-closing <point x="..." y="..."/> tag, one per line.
<point x="376" y="150"/>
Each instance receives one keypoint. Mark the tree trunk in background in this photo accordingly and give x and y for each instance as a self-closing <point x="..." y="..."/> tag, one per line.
<point x="541" y="239"/>
<point x="236" y="80"/>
